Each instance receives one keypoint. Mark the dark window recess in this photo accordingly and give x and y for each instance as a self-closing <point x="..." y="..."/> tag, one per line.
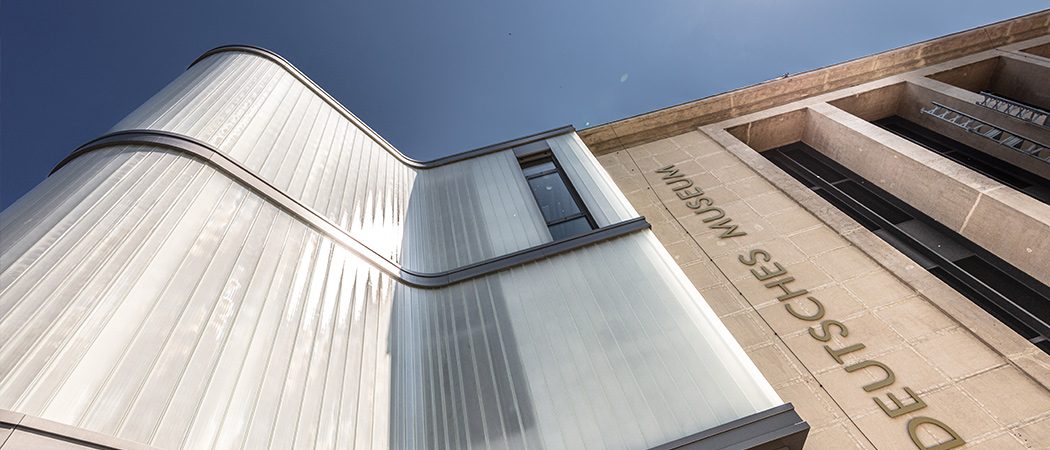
<point x="562" y="209"/>
<point x="978" y="161"/>
<point x="1008" y="294"/>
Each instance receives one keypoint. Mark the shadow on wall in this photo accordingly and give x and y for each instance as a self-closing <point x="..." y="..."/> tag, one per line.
<point x="456" y="375"/>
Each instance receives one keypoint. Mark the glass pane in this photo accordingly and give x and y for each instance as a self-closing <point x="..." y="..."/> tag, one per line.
<point x="553" y="197"/>
<point x="570" y="228"/>
<point x="537" y="168"/>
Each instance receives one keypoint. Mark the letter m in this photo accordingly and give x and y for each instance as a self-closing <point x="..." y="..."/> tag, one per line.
<point x="730" y="230"/>
<point x="670" y="172"/>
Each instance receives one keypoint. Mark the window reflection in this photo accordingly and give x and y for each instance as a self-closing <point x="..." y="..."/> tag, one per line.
<point x="558" y="202"/>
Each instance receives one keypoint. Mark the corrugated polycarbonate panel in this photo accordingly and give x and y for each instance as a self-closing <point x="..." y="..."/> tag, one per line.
<point x="469" y="211"/>
<point x="270" y="122"/>
<point x="145" y="295"/>
<point x="428" y="220"/>
<point x="203" y="317"/>
<point x="596" y="188"/>
<point x="555" y="354"/>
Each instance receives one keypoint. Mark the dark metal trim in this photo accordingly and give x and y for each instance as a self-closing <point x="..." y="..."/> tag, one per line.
<point x="241" y="174"/>
<point x="317" y="89"/>
<point x="505" y="145"/>
<point x="17" y="422"/>
<point x="567" y="218"/>
<point x="540" y="174"/>
<point x="547" y="250"/>
<point x="775" y="428"/>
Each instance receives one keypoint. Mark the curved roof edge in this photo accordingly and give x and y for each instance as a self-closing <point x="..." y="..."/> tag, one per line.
<point x="317" y="89"/>
<point x="313" y="219"/>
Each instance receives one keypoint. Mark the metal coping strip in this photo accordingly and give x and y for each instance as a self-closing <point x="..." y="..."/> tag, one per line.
<point x="75" y="436"/>
<point x="317" y="89"/>
<point x="779" y="425"/>
<point x="250" y="179"/>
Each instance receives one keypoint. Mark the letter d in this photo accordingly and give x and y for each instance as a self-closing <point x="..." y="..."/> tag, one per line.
<point x="913" y="428"/>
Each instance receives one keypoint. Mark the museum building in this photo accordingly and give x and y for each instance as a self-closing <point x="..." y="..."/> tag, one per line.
<point x="851" y="257"/>
<point x="875" y="234"/>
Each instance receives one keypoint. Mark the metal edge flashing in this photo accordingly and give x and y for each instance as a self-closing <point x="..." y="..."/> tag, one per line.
<point x="779" y="427"/>
<point x="313" y="219"/>
<point x="74" y="436"/>
<point x="317" y="89"/>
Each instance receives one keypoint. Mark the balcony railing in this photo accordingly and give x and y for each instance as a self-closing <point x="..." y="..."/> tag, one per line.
<point x="1014" y="109"/>
<point x="986" y="130"/>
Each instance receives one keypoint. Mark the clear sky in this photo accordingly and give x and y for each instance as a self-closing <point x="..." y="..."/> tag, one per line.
<point x="434" y="77"/>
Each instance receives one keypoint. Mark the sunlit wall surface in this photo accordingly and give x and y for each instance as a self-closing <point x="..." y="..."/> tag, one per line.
<point x="146" y="295"/>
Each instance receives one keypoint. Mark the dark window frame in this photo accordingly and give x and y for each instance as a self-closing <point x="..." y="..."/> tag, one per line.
<point x="828" y="178"/>
<point x="1006" y="173"/>
<point x="542" y="157"/>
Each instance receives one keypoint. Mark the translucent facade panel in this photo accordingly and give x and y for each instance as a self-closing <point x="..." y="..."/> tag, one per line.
<point x="147" y="296"/>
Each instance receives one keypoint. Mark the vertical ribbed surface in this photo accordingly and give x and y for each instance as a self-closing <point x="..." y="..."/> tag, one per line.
<point x="557" y="354"/>
<point x="168" y="322"/>
<point x="146" y="295"/>
<point x="468" y="211"/>
<point x="270" y="122"/>
<point x="596" y="188"/>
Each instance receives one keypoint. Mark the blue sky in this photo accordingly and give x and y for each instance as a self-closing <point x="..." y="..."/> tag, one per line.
<point x="433" y="78"/>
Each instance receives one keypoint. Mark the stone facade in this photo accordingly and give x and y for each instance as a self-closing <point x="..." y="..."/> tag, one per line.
<point x="766" y="236"/>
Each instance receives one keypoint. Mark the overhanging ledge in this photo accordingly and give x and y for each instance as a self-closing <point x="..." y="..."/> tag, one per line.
<point x="773" y="429"/>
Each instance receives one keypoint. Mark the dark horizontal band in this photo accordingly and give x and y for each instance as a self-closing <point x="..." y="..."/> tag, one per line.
<point x="543" y="251"/>
<point x="317" y="89"/>
<point x="248" y="178"/>
<point x="776" y="428"/>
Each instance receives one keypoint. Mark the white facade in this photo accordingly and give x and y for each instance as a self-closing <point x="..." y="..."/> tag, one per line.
<point x="182" y="301"/>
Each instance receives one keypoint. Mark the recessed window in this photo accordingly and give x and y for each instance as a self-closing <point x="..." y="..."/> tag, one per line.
<point x="559" y="203"/>
<point x="1007" y="293"/>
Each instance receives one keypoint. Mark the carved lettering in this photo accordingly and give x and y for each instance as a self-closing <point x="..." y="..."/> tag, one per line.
<point x="767" y="274"/>
<point x="751" y="254"/>
<point x="901" y="408"/>
<point x="670" y="171"/>
<point x="730" y="230"/>
<point x="720" y="213"/>
<point x="824" y="332"/>
<point x="688" y="184"/>
<point x="913" y="429"/>
<point x="788" y="293"/>
<point x="688" y="195"/>
<point x="812" y="317"/>
<point x="837" y="354"/>
<point x="887" y="379"/>
<point x="826" y="326"/>
<point x="684" y="189"/>
<point x="702" y="201"/>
